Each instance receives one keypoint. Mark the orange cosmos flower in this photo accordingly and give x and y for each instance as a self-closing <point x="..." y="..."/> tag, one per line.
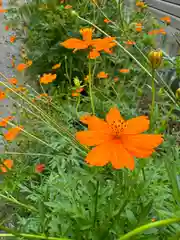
<point x="5" y="121"/>
<point x="39" y="168"/>
<point x="2" y="95"/>
<point x="107" y="20"/>
<point x="130" y="42"/>
<point x="162" y="31"/>
<point x="12" y="133"/>
<point x="166" y="19"/>
<point x="56" y="66"/>
<point x="29" y="63"/>
<point x="157" y="31"/>
<point x="48" y="78"/>
<point x="124" y="70"/>
<point x="138" y="27"/>
<point x="21" y="66"/>
<point x="7" y="164"/>
<point x="79" y="90"/>
<point x="68" y="7"/>
<point x="13" y="81"/>
<point x="102" y="75"/>
<point x="116" y="79"/>
<point x="118" y="141"/>
<point x="6" y="28"/>
<point x="75" y="94"/>
<point x="140" y="4"/>
<point x="97" y="44"/>
<point x="12" y="39"/>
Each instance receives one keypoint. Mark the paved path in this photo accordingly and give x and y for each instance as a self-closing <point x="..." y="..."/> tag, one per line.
<point x="5" y="51"/>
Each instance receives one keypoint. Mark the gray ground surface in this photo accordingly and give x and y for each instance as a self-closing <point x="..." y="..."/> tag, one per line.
<point x="5" y="51"/>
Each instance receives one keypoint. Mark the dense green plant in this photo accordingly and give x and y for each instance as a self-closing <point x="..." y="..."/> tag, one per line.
<point x="69" y="198"/>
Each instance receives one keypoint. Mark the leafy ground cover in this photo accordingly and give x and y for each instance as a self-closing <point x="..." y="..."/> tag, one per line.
<point x="92" y="151"/>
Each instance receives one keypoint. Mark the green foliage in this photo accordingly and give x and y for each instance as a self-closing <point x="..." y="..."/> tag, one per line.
<point x="70" y="198"/>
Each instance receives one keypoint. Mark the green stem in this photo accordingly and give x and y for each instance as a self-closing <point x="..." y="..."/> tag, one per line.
<point x="96" y="203"/>
<point x="148" y="226"/>
<point x="15" y="201"/>
<point x="77" y="105"/>
<point x="90" y="88"/>
<point x="153" y="97"/>
<point x="31" y="236"/>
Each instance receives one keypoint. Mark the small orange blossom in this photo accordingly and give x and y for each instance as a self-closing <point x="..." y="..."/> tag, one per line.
<point x="166" y="19"/>
<point x="48" y="78"/>
<point x="68" y="7"/>
<point x="102" y="75"/>
<point x="2" y="95"/>
<point x="124" y="70"/>
<point x="12" y="133"/>
<point x="12" y="39"/>
<point x="13" y="81"/>
<point x="107" y="20"/>
<point x="56" y="66"/>
<point x="21" y="66"/>
<point x="5" y="121"/>
<point x="7" y="164"/>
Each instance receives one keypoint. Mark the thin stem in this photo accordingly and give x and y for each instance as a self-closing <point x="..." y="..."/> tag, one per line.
<point x="143" y="173"/>
<point x="153" y="97"/>
<point x="31" y="236"/>
<point x="15" y="201"/>
<point x="77" y="105"/>
<point x="31" y="135"/>
<point x="149" y="226"/>
<point x="96" y="203"/>
<point x="27" y="154"/>
<point x="90" y="88"/>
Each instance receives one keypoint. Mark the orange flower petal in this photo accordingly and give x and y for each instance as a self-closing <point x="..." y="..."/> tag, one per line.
<point x="85" y="118"/>
<point x="97" y="124"/>
<point x="20" y="67"/>
<point x="86" y="34"/>
<point x="3" y="10"/>
<point x="137" y="125"/>
<point x="92" y="138"/>
<point x="102" y="75"/>
<point x="93" y="54"/>
<point x="99" y="156"/>
<point x="8" y="163"/>
<point x="113" y="115"/>
<point x="120" y="158"/>
<point x="13" y="81"/>
<point x="75" y="43"/>
<point x="5" y="121"/>
<point x="12" y="133"/>
<point x="141" y="145"/>
<point x="2" y="95"/>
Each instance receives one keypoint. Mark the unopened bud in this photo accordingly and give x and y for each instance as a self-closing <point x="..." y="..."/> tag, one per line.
<point x="155" y="58"/>
<point x="178" y="93"/>
<point x="77" y="83"/>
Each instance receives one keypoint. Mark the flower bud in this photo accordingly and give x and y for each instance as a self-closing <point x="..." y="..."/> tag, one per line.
<point x="155" y="58"/>
<point x="178" y="93"/>
<point x="77" y="83"/>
